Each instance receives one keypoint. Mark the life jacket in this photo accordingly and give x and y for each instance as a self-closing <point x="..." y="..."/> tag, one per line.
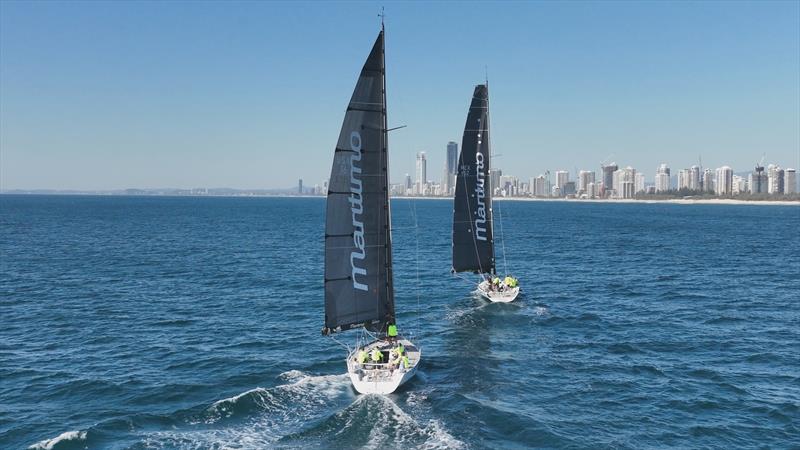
<point x="376" y="355"/>
<point x="405" y="362"/>
<point x="392" y="332"/>
<point x="362" y="357"/>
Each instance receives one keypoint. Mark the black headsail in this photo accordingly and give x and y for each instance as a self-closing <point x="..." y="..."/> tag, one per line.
<point x="358" y="242"/>
<point x="473" y="242"/>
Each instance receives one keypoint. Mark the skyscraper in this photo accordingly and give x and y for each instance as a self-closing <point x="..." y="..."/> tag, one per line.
<point x="452" y="158"/>
<point x="624" y="182"/>
<point x="708" y="180"/>
<point x="408" y="184"/>
<point x="300" y="186"/>
<point x="724" y="183"/>
<point x="422" y="172"/>
<point x="683" y="179"/>
<point x="775" y="179"/>
<point x="541" y="187"/>
<point x="662" y="178"/>
<point x="789" y="181"/>
<point x="608" y="179"/>
<point x="494" y="178"/>
<point x="757" y="180"/>
<point x="562" y="177"/>
<point x="638" y="184"/>
<point x="584" y="178"/>
<point x="694" y="178"/>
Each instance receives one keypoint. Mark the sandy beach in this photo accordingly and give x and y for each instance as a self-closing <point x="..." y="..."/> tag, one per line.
<point x="676" y="201"/>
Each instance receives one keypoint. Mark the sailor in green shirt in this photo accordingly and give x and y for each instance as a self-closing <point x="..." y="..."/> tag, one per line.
<point x="362" y="356"/>
<point x="376" y="355"/>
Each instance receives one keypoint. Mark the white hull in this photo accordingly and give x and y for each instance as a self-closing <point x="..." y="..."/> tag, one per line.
<point x="506" y="296"/>
<point x="381" y="378"/>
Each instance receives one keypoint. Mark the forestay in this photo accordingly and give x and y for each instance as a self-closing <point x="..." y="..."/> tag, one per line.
<point x="473" y="242"/>
<point x="358" y="256"/>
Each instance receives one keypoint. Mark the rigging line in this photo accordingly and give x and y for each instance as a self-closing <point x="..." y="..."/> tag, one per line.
<point x="472" y="225"/>
<point x="347" y="347"/>
<point x="502" y="239"/>
<point x="413" y="206"/>
<point x="464" y="278"/>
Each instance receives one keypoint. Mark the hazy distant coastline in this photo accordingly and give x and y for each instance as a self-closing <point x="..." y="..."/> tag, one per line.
<point x="281" y="193"/>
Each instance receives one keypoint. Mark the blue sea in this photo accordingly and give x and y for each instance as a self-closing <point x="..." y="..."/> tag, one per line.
<point x="158" y="322"/>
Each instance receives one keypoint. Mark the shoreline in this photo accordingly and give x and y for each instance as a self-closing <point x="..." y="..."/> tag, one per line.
<point x="674" y="201"/>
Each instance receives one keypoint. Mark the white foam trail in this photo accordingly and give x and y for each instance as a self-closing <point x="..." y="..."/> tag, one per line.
<point x="437" y="436"/>
<point x="48" y="444"/>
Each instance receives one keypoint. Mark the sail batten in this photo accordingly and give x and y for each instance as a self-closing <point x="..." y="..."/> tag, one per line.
<point x="473" y="242"/>
<point x="358" y="281"/>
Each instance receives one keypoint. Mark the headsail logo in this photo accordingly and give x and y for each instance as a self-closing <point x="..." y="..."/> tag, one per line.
<point x="464" y="170"/>
<point x="480" y="194"/>
<point x="357" y="209"/>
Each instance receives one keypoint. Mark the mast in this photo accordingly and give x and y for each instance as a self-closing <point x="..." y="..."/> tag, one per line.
<point x="390" y="318"/>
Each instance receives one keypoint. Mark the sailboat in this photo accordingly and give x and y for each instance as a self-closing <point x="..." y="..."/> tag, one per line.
<point x="359" y="290"/>
<point x="473" y="224"/>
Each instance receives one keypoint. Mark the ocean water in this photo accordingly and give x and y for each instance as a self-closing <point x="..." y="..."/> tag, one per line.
<point x="151" y="322"/>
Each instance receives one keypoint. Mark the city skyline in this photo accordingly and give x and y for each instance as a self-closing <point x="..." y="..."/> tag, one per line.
<point x="117" y="96"/>
<point x="614" y="181"/>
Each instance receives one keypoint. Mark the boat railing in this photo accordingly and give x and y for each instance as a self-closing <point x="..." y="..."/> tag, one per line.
<point x="378" y="366"/>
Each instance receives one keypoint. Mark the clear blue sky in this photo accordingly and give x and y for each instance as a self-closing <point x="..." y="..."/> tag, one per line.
<point x="104" y="95"/>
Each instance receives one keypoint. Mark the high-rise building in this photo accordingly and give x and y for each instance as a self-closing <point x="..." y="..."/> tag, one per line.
<point x="450" y="168"/>
<point x="541" y="186"/>
<point x="624" y="181"/>
<point x="789" y="181"/>
<point x="494" y="178"/>
<point x="562" y="177"/>
<point x="408" y="183"/>
<point x="724" y="182"/>
<point x="638" y="183"/>
<point x="591" y="190"/>
<point x="422" y="172"/>
<point x="584" y="178"/>
<point x="694" y="178"/>
<point x="739" y="185"/>
<point x="683" y="178"/>
<point x="662" y="178"/>
<point x="608" y="179"/>
<point x="452" y="158"/>
<point x="300" y="186"/>
<point x="775" y="179"/>
<point x="708" y="180"/>
<point x="758" y="180"/>
<point x="568" y="189"/>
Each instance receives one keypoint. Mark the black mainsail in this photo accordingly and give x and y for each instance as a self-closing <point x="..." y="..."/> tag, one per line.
<point x="473" y="241"/>
<point x="358" y="241"/>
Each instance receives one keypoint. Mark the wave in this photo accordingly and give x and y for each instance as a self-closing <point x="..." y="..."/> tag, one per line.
<point x="50" y="444"/>
<point x="373" y="421"/>
<point x="253" y="419"/>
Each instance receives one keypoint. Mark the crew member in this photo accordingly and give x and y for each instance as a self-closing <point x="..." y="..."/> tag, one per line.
<point x="362" y="356"/>
<point x="376" y="355"/>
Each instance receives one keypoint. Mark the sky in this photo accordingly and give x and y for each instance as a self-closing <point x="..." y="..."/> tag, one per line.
<point x="250" y="95"/>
